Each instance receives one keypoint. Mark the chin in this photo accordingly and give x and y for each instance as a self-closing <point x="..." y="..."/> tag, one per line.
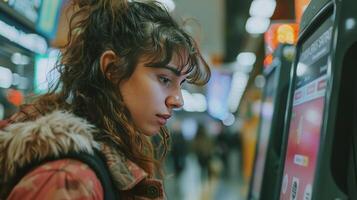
<point x="151" y="132"/>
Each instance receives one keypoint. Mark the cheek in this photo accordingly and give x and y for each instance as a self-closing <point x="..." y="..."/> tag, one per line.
<point x="143" y="99"/>
<point x="153" y="100"/>
<point x="151" y="92"/>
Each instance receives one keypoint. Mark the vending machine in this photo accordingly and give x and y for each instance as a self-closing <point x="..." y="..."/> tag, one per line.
<point x="268" y="150"/>
<point x="320" y="132"/>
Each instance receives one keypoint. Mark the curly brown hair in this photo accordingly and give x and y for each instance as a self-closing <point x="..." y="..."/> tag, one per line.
<point x="131" y="30"/>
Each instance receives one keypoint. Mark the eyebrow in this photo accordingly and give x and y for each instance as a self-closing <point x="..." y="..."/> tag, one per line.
<point x="175" y="71"/>
<point x="171" y="68"/>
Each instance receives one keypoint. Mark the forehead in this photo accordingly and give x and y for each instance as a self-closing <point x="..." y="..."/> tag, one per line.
<point x="179" y="63"/>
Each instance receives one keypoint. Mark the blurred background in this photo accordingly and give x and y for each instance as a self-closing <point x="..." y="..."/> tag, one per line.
<point x="214" y="135"/>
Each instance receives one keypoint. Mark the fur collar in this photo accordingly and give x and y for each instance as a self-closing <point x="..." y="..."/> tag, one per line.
<point x="57" y="133"/>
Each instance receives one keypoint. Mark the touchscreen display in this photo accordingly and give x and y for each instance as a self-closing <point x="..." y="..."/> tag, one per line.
<point x="307" y="115"/>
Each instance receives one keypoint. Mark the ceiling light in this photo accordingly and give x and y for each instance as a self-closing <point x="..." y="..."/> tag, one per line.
<point x="5" y="77"/>
<point x="19" y="59"/>
<point x="257" y="25"/>
<point x="229" y="120"/>
<point x="246" y="59"/>
<point x="262" y="8"/>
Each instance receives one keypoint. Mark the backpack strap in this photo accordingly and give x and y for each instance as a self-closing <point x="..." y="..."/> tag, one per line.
<point x="97" y="163"/>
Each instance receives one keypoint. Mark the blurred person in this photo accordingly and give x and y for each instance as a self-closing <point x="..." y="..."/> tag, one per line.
<point x="89" y="137"/>
<point x="223" y="146"/>
<point x="236" y="155"/>
<point x="178" y="149"/>
<point x="203" y="147"/>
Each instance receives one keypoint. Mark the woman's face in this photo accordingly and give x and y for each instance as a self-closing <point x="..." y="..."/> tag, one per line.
<point x="152" y="93"/>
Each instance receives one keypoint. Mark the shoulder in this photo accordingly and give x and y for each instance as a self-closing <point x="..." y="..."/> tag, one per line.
<point x="61" y="178"/>
<point x="50" y="135"/>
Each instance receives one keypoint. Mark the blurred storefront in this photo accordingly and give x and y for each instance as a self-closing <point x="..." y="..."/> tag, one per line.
<point x="26" y="28"/>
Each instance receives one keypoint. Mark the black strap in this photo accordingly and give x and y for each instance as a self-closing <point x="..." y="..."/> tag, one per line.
<point x="96" y="162"/>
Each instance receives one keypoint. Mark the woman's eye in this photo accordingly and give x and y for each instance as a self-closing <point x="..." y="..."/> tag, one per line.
<point x="182" y="83"/>
<point x="164" y="80"/>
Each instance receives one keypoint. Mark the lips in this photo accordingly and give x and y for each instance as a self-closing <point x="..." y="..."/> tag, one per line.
<point x="163" y="119"/>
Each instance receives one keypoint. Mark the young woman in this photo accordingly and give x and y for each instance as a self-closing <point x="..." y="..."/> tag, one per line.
<point x="89" y="138"/>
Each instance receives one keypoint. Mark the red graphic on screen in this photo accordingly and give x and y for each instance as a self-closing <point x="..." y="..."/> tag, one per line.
<point x="298" y="95"/>
<point x="311" y="89"/>
<point x="321" y="85"/>
<point x="303" y="145"/>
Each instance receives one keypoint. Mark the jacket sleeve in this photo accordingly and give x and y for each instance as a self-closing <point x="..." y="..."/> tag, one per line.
<point x="60" y="179"/>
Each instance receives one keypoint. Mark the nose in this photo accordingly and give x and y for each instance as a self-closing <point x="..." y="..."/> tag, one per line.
<point x="175" y="101"/>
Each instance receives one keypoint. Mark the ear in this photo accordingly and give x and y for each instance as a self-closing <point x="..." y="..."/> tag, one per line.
<point x="107" y="58"/>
